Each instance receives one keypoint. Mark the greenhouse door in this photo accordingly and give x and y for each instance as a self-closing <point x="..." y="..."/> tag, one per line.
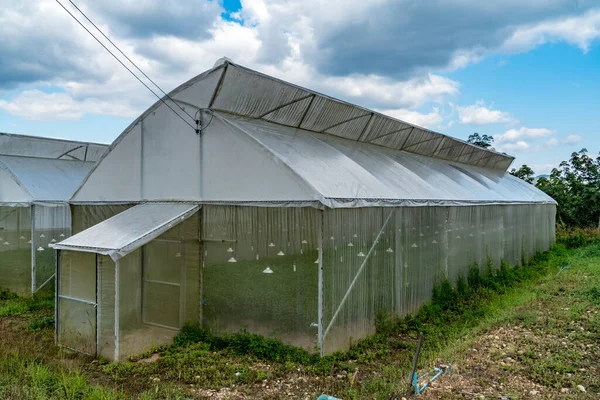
<point x="77" y="305"/>
<point x="163" y="284"/>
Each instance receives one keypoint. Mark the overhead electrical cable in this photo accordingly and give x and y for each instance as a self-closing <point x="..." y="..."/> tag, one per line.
<point x="128" y="59"/>
<point x="130" y="71"/>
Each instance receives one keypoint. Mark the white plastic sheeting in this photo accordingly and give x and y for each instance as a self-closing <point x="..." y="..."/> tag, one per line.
<point x="239" y="160"/>
<point x="38" y="180"/>
<point x="347" y="174"/>
<point x="43" y="147"/>
<point x="129" y="230"/>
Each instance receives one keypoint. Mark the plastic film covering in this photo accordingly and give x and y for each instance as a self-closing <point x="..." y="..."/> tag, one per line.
<point x="249" y="93"/>
<point x="86" y="216"/>
<point x="346" y="174"/>
<point x="51" y="225"/>
<point x="388" y="260"/>
<point x="43" y="147"/>
<point x="77" y="301"/>
<point x="159" y="289"/>
<point x="260" y="272"/>
<point x="46" y="180"/>
<point x="359" y="273"/>
<point x="15" y="249"/>
<point x="129" y="230"/>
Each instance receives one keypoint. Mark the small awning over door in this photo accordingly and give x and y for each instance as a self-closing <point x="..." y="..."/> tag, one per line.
<point x="129" y="230"/>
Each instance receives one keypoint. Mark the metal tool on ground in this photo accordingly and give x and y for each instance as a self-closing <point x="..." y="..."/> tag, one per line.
<point x="434" y="374"/>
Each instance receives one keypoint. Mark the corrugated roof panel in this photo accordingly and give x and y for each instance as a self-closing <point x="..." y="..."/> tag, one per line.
<point x="129" y="230"/>
<point x="350" y="130"/>
<point x="253" y="95"/>
<point x="325" y="113"/>
<point x="395" y="140"/>
<point x="381" y="126"/>
<point x="290" y="114"/>
<point x="42" y="147"/>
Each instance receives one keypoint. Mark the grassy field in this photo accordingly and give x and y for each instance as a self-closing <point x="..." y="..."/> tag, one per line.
<point x="527" y="332"/>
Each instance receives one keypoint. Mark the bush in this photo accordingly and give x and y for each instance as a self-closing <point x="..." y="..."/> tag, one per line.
<point x="574" y="238"/>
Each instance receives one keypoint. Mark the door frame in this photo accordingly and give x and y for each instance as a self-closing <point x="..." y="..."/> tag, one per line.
<point x="181" y="285"/>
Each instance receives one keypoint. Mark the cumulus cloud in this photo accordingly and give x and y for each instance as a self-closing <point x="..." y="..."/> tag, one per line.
<point x="479" y="114"/>
<point x="552" y="142"/>
<point x="572" y="139"/>
<point x="38" y="105"/>
<point x="515" y="147"/>
<point x="388" y="38"/>
<point x="377" y="53"/>
<point x="513" y="135"/>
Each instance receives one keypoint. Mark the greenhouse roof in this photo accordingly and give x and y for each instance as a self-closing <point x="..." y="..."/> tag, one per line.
<point x="129" y="230"/>
<point x="43" y="147"/>
<point x="245" y="92"/>
<point x="342" y="173"/>
<point x="39" y="180"/>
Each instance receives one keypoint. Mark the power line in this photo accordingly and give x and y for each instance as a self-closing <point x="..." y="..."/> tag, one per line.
<point x="128" y="59"/>
<point x="127" y="68"/>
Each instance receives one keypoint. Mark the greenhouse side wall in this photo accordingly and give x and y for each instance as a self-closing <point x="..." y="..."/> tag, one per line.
<point x="260" y="272"/>
<point x="51" y="224"/>
<point x="387" y="260"/>
<point x="15" y="249"/>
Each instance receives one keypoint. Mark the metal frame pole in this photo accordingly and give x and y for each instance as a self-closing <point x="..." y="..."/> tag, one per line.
<point x="320" y="294"/>
<point x="33" y="250"/>
<point x="117" y="301"/>
<point x="56" y="294"/>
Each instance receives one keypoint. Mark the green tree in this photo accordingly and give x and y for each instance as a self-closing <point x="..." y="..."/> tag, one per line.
<point x="575" y="185"/>
<point x="484" y="141"/>
<point x="525" y="173"/>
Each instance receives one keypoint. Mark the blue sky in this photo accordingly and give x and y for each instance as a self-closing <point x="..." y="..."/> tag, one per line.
<point x="527" y="73"/>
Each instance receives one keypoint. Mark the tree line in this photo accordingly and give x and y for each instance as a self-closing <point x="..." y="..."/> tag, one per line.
<point x="574" y="184"/>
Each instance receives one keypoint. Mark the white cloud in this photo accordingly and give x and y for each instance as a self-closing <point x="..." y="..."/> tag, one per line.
<point x="40" y="106"/>
<point x="513" y="135"/>
<point x="552" y="142"/>
<point x="578" y="30"/>
<point x="517" y="146"/>
<point x="478" y="114"/>
<point x="429" y="120"/>
<point x="572" y="139"/>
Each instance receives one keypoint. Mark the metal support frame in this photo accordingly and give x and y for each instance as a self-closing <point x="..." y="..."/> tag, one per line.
<point x="117" y="306"/>
<point x="284" y="105"/>
<point x="71" y="150"/>
<point x="56" y="302"/>
<point x="320" y="335"/>
<point x="306" y="111"/>
<point x="423" y="141"/>
<point x="358" y="273"/>
<point x="345" y="122"/>
<point x="219" y="84"/>
<point x="391" y="133"/>
<point x="33" y="251"/>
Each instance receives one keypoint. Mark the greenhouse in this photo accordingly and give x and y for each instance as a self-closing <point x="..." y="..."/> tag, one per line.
<point x="268" y="207"/>
<point x="37" y="178"/>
